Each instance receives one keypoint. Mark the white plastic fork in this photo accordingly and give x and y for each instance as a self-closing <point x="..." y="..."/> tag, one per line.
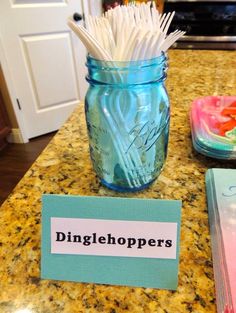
<point x="121" y="33"/>
<point x="168" y="22"/>
<point x="171" y="39"/>
<point x="92" y="45"/>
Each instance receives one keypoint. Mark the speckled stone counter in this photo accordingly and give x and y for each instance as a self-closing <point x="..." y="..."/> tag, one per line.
<point x="64" y="168"/>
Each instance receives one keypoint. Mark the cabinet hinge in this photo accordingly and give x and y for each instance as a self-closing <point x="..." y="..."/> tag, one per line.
<point x="18" y="103"/>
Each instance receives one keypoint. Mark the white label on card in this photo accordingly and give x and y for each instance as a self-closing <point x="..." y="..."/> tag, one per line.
<point x="113" y="238"/>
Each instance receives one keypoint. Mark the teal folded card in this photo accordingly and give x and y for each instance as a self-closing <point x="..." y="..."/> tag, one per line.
<point x="117" y="241"/>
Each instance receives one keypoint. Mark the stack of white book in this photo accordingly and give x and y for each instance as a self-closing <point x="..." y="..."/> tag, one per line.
<point x="221" y="198"/>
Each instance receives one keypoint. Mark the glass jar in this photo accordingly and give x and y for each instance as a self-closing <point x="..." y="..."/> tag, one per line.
<point x="127" y="115"/>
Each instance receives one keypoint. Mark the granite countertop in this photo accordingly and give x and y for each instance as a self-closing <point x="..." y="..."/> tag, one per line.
<point x="64" y="168"/>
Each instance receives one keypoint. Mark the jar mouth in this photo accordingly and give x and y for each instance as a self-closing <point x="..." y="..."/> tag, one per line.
<point x="122" y="65"/>
<point x="125" y="73"/>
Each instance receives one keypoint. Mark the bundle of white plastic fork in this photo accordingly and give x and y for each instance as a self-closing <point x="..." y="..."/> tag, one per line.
<point x="127" y="33"/>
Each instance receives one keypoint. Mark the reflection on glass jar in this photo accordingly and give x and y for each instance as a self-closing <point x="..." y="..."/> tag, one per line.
<point x="127" y="115"/>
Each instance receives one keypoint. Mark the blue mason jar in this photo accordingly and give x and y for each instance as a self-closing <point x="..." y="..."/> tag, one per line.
<point x="127" y="115"/>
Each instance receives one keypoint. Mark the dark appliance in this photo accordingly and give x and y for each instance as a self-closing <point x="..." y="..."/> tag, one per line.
<point x="208" y="24"/>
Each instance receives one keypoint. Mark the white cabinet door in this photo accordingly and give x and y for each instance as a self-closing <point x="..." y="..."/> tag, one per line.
<point x="46" y="62"/>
